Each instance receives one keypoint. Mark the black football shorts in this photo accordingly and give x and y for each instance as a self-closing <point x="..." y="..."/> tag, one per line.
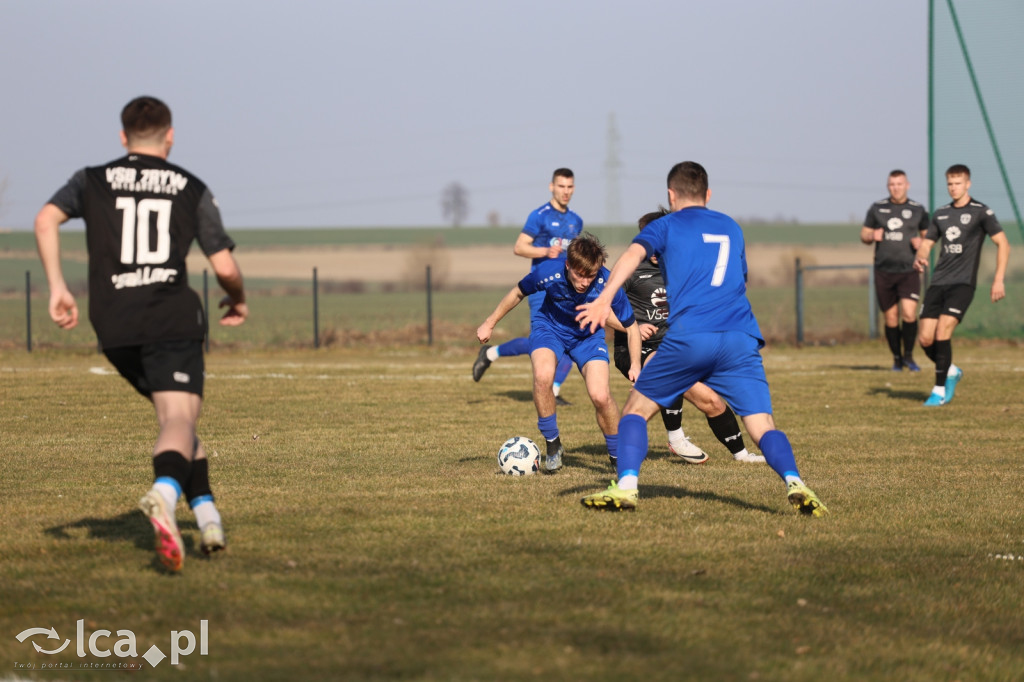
<point x="890" y="287"/>
<point x="161" y="366"/>
<point x="947" y="299"/>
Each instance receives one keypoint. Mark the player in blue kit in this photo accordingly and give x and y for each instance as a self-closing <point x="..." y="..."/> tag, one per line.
<point x="645" y="289"/>
<point x="712" y="336"/>
<point x="564" y="285"/>
<point x="545" y="236"/>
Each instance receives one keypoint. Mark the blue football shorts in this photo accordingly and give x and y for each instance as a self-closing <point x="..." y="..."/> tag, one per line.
<point x="543" y="334"/>
<point x="536" y="299"/>
<point x="728" y="362"/>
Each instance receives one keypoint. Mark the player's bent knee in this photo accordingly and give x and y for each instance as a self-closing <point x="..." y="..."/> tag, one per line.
<point x="715" y="407"/>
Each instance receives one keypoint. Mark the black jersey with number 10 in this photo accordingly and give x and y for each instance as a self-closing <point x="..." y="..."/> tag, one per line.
<point x="141" y="215"/>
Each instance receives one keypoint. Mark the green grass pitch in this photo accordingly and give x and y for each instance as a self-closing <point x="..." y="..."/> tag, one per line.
<point x="371" y="537"/>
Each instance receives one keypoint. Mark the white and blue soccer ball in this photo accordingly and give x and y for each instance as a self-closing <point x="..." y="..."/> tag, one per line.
<point x="519" y="456"/>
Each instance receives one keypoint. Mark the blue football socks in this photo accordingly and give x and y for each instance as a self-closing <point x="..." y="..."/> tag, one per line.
<point x="632" y="445"/>
<point x="548" y="427"/>
<point x="520" y="346"/>
<point x="779" y="454"/>
<point x="613" y="444"/>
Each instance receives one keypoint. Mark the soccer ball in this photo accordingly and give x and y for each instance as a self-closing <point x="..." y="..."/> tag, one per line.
<point x="519" y="456"/>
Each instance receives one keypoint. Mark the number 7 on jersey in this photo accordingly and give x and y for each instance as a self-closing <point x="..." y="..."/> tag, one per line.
<point x="723" y="256"/>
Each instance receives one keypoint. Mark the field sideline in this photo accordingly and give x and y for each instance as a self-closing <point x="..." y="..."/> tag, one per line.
<point x="371" y="280"/>
<point x="370" y="536"/>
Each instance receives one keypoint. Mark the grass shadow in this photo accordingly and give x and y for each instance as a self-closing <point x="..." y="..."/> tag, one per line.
<point x="591" y="458"/>
<point x="862" y="368"/>
<point x="131" y="527"/>
<point x="518" y="396"/>
<point x="916" y="396"/>
<point x="680" y="493"/>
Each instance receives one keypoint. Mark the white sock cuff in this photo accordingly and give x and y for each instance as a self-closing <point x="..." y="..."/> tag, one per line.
<point x="628" y="482"/>
<point x="206" y="513"/>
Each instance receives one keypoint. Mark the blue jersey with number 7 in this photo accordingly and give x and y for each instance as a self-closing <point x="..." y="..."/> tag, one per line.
<point x="703" y="257"/>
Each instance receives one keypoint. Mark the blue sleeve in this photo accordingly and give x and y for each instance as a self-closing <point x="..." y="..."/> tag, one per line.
<point x="652" y="238"/>
<point x="647" y="246"/>
<point x="622" y="309"/>
<point x="533" y="224"/>
<point x="529" y="284"/>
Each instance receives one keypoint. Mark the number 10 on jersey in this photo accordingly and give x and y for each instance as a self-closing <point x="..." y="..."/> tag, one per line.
<point x="135" y="246"/>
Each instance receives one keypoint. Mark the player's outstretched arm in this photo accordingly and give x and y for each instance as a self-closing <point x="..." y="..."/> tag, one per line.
<point x="229" y="276"/>
<point x="1002" y="262"/>
<point x="595" y="314"/>
<point x="62" y="307"/>
<point x="510" y="301"/>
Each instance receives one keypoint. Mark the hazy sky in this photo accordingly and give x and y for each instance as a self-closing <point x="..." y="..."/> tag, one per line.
<point x="359" y="113"/>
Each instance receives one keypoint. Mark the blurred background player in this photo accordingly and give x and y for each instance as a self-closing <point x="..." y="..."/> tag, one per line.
<point x="712" y="336"/>
<point x="545" y="236"/>
<point x="554" y="333"/>
<point x="141" y="216"/>
<point x="961" y="225"/>
<point x="645" y="289"/>
<point x="895" y="225"/>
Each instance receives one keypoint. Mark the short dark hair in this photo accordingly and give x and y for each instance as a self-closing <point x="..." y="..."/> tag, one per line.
<point x="689" y="180"/>
<point x="145" y="118"/>
<point x="562" y="173"/>
<point x="897" y="172"/>
<point x="648" y="218"/>
<point x="586" y="254"/>
<point x="958" y="169"/>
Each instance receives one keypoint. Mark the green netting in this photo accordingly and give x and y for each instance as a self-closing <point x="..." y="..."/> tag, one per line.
<point x="976" y="62"/>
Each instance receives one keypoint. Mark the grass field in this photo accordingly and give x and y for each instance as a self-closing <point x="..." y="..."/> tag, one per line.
<point x="370" y="537"/>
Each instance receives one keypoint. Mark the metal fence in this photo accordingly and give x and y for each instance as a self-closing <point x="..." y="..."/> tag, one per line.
<point x="872" y="302"/>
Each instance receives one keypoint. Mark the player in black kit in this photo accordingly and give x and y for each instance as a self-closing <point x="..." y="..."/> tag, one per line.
<point x="141" y="216"/>
<point x="646" y="292"/>
<point x="961" y="225"/>
<point x="894" y="225"/>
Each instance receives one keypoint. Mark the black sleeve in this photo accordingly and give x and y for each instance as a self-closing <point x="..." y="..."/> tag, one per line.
<point x="869" y="219"/>
<point x="69" y="197"/>
<point x="211" y="234"/>
<point x="990" y="223"/>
